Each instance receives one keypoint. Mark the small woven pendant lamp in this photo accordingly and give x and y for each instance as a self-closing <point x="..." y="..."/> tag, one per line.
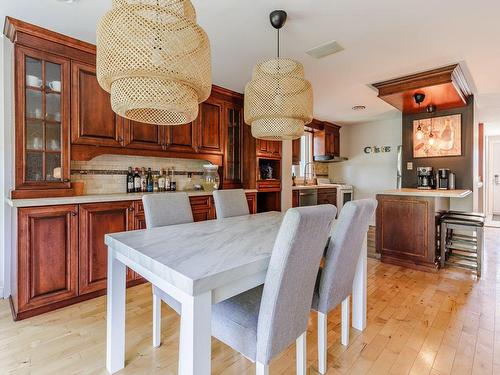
<point x="278" y="100"/>
<point x="154" y="60"/>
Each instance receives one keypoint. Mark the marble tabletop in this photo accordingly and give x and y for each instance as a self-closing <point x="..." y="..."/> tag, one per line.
<point x="197" y="257"/>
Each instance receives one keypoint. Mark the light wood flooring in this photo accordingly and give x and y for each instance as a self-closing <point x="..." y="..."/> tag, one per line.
<point x="418" y="323"/>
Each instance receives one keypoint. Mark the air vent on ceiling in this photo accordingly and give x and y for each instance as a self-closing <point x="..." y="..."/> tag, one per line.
<point x="325" y="49"/>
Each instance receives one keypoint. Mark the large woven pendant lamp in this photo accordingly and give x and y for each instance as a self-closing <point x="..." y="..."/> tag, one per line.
<point x="154" y="60"/>
<point x="278" y="100"/>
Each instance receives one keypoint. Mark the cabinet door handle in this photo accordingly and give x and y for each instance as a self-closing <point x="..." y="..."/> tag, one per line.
<point x="66" y="180"/>
<point x="74" y="213"/>
<point x="120" y="139"/>
<point x="131" y="209"/>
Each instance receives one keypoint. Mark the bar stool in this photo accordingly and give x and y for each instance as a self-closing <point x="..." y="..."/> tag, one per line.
<point x="461" y="249"/>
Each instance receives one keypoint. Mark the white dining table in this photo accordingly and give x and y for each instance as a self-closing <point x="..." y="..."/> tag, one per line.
<point x="199" y="264"/>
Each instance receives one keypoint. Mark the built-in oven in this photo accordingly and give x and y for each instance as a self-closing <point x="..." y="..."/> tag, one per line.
<point x="345" y="193"/>
<point x="308" y="197"/>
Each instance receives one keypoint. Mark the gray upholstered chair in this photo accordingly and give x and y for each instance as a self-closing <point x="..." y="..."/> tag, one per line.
<point x="229" y="203"/>
<point x="335" y="280"/>
<point x="263" y="321"/>
<point x="161" y="210"/>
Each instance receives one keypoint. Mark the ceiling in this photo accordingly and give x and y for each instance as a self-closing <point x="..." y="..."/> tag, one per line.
<point x="382" y="39"/>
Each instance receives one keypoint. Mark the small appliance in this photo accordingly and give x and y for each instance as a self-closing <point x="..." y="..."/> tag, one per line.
<point x="443" y="179"/>
<point x="425" y="176"/>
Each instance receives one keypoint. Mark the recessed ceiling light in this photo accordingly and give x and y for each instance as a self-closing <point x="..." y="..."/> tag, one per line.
<point x="359" y="108"/>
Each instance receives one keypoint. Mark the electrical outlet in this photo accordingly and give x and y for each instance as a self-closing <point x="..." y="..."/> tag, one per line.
<point x="409" y="166"/>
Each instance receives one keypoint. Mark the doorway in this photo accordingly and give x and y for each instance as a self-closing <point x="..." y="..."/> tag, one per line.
<point x="492" y="180"/>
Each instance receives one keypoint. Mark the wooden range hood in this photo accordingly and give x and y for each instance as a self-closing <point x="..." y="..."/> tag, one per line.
<point x="443" y="87"/>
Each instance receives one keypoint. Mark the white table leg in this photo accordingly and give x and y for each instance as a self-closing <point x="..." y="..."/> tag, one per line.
<point x="115" y="334"/>
<point x="301" y="354"/>
<point x="322" y="342"/>
<point x="359" y="290"/>
<point x="195" y="335"/>
<point x="156" y="321"/>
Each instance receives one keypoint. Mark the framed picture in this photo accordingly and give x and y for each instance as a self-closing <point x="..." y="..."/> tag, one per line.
<point x="437" y="137"/>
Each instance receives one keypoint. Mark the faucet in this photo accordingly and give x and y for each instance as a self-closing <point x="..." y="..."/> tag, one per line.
<point x="311" y="172"/>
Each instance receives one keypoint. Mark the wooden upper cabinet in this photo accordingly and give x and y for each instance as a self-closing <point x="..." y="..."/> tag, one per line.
<point x="97" y="220"/>
<point x="42" y="116"/>
<point x="47" y="256"/>
<point x="233" y="139"/>
<point x="144" y="136"/>
<point x="210" y="122"/>
<point x="93" y="122"/>
<point x="268" y="148"/>
<point x="181" y="138"/>
<point x="327" y="141"/>
<point x="296" y="151"/>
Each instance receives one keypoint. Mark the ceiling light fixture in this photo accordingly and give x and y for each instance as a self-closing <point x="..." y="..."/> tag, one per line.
<point x="419" y="98"/>
<point x="359" y="108"/>
<point x="154" y="59"/>
<point x="278" y="99"/>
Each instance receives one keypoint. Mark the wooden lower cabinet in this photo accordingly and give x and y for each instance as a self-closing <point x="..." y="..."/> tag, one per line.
<point x="62" y="257"/>
<point x="97" y="220"/>
<point x="327" y="196"/>
<point x="47" y="258"/>
<point x="295" y="198"/>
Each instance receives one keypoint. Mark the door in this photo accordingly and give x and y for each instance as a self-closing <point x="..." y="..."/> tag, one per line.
<point x="97" y="220"/>
<point x="93" y="122"/>
<point x="47" y="255"/>
<point x="42" y="120"/>
<point x="144" y="136"/>
<point x="494" y="175"/>
<point x="210" y="120"/>
<point x="181" y="138"/>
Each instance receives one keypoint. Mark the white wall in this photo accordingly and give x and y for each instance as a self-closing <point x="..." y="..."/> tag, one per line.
<point x="368" y="173"/>
<point x="2" y="171"/>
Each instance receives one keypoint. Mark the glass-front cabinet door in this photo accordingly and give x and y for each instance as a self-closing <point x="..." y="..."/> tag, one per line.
<point x="232" y="163"/>
<point x="42" y="116"/>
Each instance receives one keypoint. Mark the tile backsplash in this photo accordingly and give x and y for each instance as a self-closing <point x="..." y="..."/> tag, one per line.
<point x="107" y="174"/>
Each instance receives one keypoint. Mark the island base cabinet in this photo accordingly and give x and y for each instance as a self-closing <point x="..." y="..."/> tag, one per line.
<point x="406" y="232"/>
<point x="47" y="258"/>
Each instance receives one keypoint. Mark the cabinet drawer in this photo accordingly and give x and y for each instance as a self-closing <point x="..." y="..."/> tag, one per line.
<point x="269" y="185"/>
<point x="201" y="202"/>
<point x="138" y="208"/>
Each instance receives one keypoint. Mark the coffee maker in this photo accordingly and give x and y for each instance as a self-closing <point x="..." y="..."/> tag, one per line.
<point x="443" y="179"/>
<point x="426" y="179"/>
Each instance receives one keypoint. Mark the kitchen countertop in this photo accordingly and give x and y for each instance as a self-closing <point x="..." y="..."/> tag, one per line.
<point x="322" y="186"/>
<point x="429" y="193"/>
<point x="94" y="198"/>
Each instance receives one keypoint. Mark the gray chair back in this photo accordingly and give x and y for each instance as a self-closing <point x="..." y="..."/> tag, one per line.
<point x="229" y="203"/>
<point x="289" y="285"/>
<point x="343" y="253"/>
<point x="161" y="210"/>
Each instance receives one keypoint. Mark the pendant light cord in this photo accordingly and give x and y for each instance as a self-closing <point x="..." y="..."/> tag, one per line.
<point x="278" y="43"/>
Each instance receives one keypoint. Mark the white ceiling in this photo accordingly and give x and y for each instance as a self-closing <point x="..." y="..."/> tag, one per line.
<point x="382" y="39"/>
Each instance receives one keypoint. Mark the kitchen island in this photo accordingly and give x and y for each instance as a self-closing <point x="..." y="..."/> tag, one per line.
<point x="407" y="225"/>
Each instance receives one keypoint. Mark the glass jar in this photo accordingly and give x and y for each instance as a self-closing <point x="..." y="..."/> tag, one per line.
<point x="210" y="179"/>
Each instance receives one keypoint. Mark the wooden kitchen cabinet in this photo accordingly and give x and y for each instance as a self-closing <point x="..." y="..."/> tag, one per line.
<point x="97" y="220"/>
<point x="295" y="198"/>
<point x="144" y="136"/>
<point x="296" y="151"/>
<point x="47" y="258"/>
<point x="181" y="138"/>
<point x="93" y="122"/>
<point x="268" y="148"/>
<point x="233" y="139"/>
<point x="210" y="126"/>
<point x="327" y="140"/>
<point x="42" y="123"/>
<point x="327" y="196"/>
<point x="252" y="202"/>
<point x="203" y="207"/>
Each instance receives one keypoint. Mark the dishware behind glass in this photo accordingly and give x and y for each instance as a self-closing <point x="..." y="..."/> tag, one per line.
<point x="34" y="81"/>
<point x="55" y="86"/>
<point x="37" y="143"/>
<point x="54" y="145"/>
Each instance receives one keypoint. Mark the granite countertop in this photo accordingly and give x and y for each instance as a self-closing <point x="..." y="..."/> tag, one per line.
<point x="428" y="193"/>
<point x="94" y="198"/>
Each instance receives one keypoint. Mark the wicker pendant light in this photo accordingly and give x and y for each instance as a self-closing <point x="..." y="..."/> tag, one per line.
<point x="154" y="60"/>
<point x="278" y="100"/>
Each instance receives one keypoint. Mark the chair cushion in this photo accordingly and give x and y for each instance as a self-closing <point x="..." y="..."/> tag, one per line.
<point x="173" y="303"/>
<point x="234" y="321"/>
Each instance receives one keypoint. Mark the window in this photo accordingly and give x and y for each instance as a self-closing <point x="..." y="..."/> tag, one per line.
<point x="306" y="153"/>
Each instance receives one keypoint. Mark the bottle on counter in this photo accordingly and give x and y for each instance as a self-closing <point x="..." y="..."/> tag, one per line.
<point x="155" y="183"/>
<point x="137" y="181"/>
<point x="189" y="184"/>
<point x="161" y="180"/>
<point x="167" y="180"/>
<point x="149" y="181"/>
<point x="173" y="183"/>
<point x="130" y="181"/>
<point x="144" y="182"/>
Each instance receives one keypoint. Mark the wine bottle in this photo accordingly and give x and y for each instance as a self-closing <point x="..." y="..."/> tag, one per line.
<point x="149" y="181"/>
<point x="137" y="181"/>
<point x="130" y="181"/>
<point x="161" y="180"/>
<point x="144" y="183"/>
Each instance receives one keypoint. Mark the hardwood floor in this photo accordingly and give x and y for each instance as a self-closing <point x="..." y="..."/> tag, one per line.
<point x="418" y="323"/>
